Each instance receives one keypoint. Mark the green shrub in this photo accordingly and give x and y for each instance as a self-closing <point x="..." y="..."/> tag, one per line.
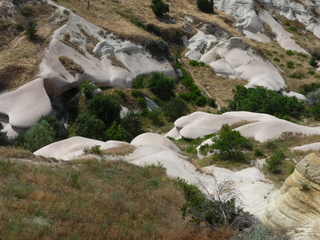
<point x="211" y="102"/>
<point x="136" y="93"/>
<point x="276" y="59"/>
<point x="315" y="111"/>
<point x="38" y="136"/>
<point x="201" y="101"/>
<point x="31" y="30"/>
<point x="258" y="152"/>
<point x="88" y="125"/>
<point x="196" y="63"/>
<point x="159" y="7"/>
<point x="311" y="72"/>
<point x="157" y="118"/>
<point x="142" y="102"/>
<point x="313" y="62"/>
<point x="262" y="100"/>
<point x="105" y="108"/>
<point x="132" y="124"/>
<point x="271" y="144"/>
<point x="116" y="132"/>
<point x="289" y="52"/>
<point x="175" y="108"/>
<point x="313" y="97"/>
<point x="281" y="55"/>
<point x="297" y="75"/>
<point x="293" y="29"/>
<point x="19" y="27"/>
<point x="307" y="88"/>
<point x="230" y="144"/>
<point x="205" y="5"/>
<point x="290" y="65"/>
<point x="93" y="150"/>
<point x="274" y="162"/>
<point x="161" y="85"/>
<point x="138" y="82"/>
<point x="27" y="11"/>
<point x="158" y="48"/>
<point x="87" y="88"/>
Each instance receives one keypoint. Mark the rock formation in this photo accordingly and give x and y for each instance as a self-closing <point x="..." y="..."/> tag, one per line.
<point x="296" y="208"/>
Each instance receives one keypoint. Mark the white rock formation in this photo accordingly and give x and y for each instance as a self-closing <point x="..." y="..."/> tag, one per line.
<point x="262" y="127"/>
<point x="296" y="206"/>
<point x="234" y="59"/>
<point x="71" y="148"/>
<point x="154" y="149"/>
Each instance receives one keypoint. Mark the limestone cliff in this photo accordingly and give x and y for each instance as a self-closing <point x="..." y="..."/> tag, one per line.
<point x="296" y="208"/>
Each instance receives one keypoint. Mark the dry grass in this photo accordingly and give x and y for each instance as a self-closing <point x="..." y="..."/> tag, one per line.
<point x="124" y="149"/>
<point x="72" y="67"/>
<point x="90" y="200"/>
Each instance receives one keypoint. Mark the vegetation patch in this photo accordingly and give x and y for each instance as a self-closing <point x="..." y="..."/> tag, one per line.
<point x="72" y="67"/>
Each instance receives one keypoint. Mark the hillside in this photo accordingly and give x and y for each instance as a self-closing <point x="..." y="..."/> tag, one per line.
<point x="228" y="99"/>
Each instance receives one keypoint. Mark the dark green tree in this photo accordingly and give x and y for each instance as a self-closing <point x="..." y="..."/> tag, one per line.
<point x="31" y="30"/>
<point x="205" y="5"/>
<point x="116" y="132"/>
<point x="88" y="125"/>
<point x="274" y="162"/>
<point x="262" y="100"/>
<point x="161" y="85"/>
<point x="230" y="144"/>
<point x="105" y="108"/>
<point x="159" y="7"/>
<point x="175" y="108"/>
<point x="38" y="136"/>
<point x="132" y="124"/>
<point x="87" y="88"/>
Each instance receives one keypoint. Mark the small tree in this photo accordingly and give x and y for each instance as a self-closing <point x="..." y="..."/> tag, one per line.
<point x="105" y="108"/>
<point x="31" y="30"/>
<point x="159" y="7"/>
<point x="87" y="125"/>
<point x="205" y="5"/>
<point x="230" y="144"/>
<point x="87" y="88"/>
<point x="175" y="108"/>
<point x="161" y="85"/>
<point x="117" y="132"/>
<point x="274" y="162"/>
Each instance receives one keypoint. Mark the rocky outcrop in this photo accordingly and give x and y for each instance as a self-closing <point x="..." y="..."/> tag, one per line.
<point x="296" y="207"/>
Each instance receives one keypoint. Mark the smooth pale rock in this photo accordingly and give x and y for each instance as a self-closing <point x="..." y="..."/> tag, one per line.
<point x="283" y="37"/>
<point x="154" y="139"/>
<point x="261" y="127"/>
<point x="272" y="129"/>
<point x="237" y="61"/>
<point x="26" y="105"/>
<point x="307" y="147"/>
<point x="297" y="204"/>
<point x="199" y="124"/>
<point x="73" y="147"/>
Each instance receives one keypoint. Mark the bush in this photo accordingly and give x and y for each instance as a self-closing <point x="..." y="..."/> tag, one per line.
<point x="161" y="85"/>
<point x="274" y="163"/>
<point x="132" y="124"/>
<point x="258" y="153"/>
<point x="175" y="108"/>
<point x="290" y="65"/>
<point x="297" y="75"/>
<point x="211" y="102"/>
<point x="201" y="101"/>
<point x="262" y="100"/>
<point x="105" y="108"/>
<point x="276" y="59"/>
<point x="313" y="97"/>
<point x="157" y="118"/>
<point x="289" y="52"/>
<point x="87" y="88"/>
<point x="215" y="210"/>
<point x="230" y="144"/>
<point x="88" y="125"/>
<point x="205" y="5"/>
<point x="27" y="11"/>
<point x="116" y="132"/>
<point x="38" y="136"/>
<point x="196" y="63"/>
<point x="142" y="102"/>
<point x="31" y="30"/>
<point x="315" y="111"/>
<point x="313" y="61"/>
<point x="138" y="82"/>
<point x="159" y="7"/>
<point x="158" y="48"/>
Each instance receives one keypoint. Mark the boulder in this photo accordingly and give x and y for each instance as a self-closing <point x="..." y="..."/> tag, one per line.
<point x="296" y="207"/>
